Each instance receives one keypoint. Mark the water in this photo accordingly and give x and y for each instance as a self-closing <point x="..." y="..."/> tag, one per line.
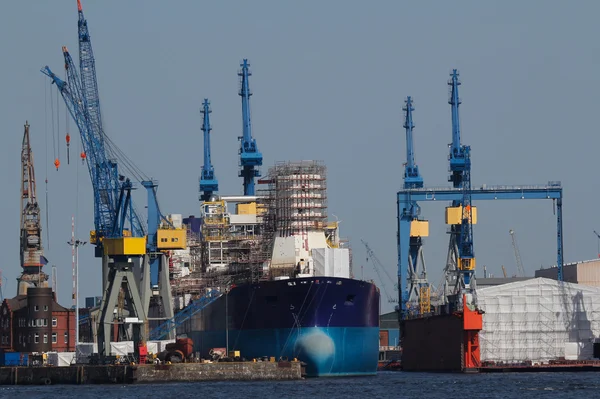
<point x="383" y="385"/>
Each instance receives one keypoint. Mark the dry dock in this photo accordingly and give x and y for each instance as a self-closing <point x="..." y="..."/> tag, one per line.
<point x="128" y="374"/>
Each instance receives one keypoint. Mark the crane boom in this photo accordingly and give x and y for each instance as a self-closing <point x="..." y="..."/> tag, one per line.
<point x="208" y="183"/>
<point x="250" y="156"/>
<point x="412" y="177"/>
<point x="457" y="151"/>
<point x="520" y="267"/>
<point x="87" y="69"/>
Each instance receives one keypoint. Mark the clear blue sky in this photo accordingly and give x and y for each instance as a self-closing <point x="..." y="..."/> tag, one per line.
<point x="329" y="80"/>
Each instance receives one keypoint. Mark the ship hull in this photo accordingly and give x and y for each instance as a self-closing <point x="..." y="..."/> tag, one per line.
<point x="331" y="324"/>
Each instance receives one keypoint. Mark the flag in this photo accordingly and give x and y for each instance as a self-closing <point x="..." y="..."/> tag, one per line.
<point x="43" y="260"/>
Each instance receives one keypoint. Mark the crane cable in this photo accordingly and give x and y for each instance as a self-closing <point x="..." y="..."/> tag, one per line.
<point x="47" y="206"/>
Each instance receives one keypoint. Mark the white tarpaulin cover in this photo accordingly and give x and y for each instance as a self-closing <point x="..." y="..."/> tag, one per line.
<point x="538" y="320"/>
<point x="65" y="358"/>
<point x="121" y="348"/>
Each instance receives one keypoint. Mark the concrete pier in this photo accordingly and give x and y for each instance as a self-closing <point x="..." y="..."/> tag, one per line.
<point x="148" y="373"/>
<point x="224" y="371"/>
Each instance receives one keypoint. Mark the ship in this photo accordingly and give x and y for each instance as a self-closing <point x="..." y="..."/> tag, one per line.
<point x="283" y="278"/>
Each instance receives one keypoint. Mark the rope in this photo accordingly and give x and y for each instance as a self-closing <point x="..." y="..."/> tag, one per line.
<point x="46" y="205"/>
<point x="52" y="114"/>
<point x="57" y="124"/>
<point x="244" y="319"/>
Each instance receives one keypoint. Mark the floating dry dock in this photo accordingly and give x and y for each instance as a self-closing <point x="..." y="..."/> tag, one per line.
<point x="128" y="374"/>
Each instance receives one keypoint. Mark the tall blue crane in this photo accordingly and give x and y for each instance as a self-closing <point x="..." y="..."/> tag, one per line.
<point x="250" y="157"/>
<point x="208" y="182"/>
<point x="460" y="171"/>
<point x="416" y="272"/>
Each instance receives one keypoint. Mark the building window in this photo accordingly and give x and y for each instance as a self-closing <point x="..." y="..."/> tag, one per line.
<point x="36" y="338"/>
<point x="45" y="308"/>
<point x="54" y="322"/>
<point x="45" y="338"/>
<point x="39" y="322"/>
<point x="36" y="308"/>
<point x="45" y="322"/>
<point x="66" y="337"/>
<point x="54" y="338"/>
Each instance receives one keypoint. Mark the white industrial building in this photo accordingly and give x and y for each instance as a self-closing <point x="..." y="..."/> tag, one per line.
<point x="539" y="320"/>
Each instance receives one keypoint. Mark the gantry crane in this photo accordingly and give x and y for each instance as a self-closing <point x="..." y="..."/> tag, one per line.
<point x="418" y="291"/>
<point x="32" y="252"/>
<point x="250" y="157"/>
<point x="408" y="197"/>
<point x="520" y="267"/>
<point x="208" y="182"/>
<point x="119" y="236"/>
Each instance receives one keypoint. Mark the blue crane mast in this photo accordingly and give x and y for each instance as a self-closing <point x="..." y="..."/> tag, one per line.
<point x="250" y="157"/>
<point x="457" y="151"/>
<point x="415" y="299"/>
<point x="412" y="177"/>
<point x="466" y="252"/>
<point x="208" y="182"/>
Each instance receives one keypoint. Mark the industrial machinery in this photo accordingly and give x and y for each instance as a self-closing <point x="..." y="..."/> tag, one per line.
<point x="460" y="170"/>
<point x="416" y="300"/>
<point x="32" y="252"/>
<point x="250" y="157"/>
<point x="459" y="159"/>
<point x="119" y="236"/>
<point x="208" y="182"/>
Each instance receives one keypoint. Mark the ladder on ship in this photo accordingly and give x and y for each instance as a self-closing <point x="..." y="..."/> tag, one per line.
<point x="181" y="317"/>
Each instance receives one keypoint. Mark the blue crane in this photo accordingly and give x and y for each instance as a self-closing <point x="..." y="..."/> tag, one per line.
<point x="208" y="182"/>
<point x="416" y="228"/>
<point x="250" y="156"/>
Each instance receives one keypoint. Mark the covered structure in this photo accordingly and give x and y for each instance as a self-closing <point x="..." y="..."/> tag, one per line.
<point x="538" y="320"/>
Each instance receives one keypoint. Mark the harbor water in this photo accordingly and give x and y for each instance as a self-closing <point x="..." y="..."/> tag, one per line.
<point x="383" y="385"/>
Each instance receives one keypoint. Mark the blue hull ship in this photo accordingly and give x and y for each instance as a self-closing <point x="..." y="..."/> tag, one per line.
<point x="330" y="323"/>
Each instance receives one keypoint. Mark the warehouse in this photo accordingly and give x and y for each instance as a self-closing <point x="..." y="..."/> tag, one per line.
<point x="539" y="320"/>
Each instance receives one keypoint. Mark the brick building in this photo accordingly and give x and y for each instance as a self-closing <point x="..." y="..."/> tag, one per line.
<point x="36" y="323"/>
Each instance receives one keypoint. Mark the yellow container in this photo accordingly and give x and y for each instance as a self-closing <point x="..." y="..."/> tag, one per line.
<point x="125" y="246"/>
<point x="419" y="228"/>
<point x="246" y="209"/>
<point x="454" y="215"/>
<point x="171" y="239"/>
<point x="234" y="353"/>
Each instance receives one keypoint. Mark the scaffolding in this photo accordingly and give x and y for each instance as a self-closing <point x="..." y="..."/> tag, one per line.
<point x="300" y="190"/>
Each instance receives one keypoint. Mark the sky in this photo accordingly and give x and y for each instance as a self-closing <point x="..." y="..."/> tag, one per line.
<point x="329" y="81"/>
